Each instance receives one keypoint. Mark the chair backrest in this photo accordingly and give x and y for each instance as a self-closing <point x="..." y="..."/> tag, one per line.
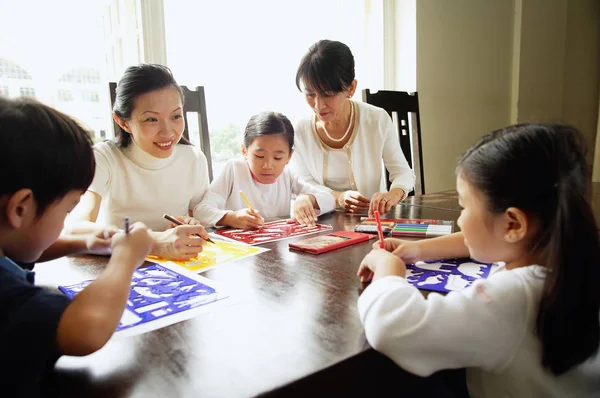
<point x="407" y="122"/>
<point x="195" y="102"/>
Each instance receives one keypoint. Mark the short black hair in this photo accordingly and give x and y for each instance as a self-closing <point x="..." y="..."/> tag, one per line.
<point x="138" y="80"/>
<point x="44" y="150"/>
<point x="327" y="68"/>
<point x="268" y="123"/>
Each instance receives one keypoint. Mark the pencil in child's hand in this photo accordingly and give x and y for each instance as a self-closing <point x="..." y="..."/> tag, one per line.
<point x="246" y="200"/>
<point x="379" y="230"/>
<point x="126" y="225"/>
<point x="176" y="221"/>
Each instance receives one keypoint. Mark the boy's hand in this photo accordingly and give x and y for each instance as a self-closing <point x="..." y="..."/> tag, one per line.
<point x="100" y="242"/>
<point x="179" y="243"/>
<point x="135" y="245"/>
<point x="304" y="210"/>
<point x="379" y="263"/>
<point x="244" y="219"/>
<point x="186" y="220"/>
<point x="353" y="201"/>
<point x="407" y="251"/>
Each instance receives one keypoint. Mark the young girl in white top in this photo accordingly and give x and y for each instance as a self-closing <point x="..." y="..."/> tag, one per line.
<point x="264" y="179"/>
<point x="146" y="171"/>
<point x="532" y="328"/>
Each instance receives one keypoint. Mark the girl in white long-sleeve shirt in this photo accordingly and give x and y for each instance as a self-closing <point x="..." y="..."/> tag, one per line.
<point x="532" y="328"/>
<point x="264" y="179"/>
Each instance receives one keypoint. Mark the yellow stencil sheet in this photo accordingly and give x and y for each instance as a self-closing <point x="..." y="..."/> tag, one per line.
<point x="213" y="255"/>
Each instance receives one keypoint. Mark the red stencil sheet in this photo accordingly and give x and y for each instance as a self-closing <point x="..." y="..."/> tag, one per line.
<point x="271" y="231"/>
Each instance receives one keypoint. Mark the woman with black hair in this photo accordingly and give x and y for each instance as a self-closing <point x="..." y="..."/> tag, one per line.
<point x="345" y="145"/>
<point x="148" y="170"/>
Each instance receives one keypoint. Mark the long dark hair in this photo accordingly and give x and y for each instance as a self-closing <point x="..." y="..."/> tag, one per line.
<point x="541" y="170"/>
<point x="268" y="123"/>
<point x="138" y="80"/>
<point x="327" y="67"/>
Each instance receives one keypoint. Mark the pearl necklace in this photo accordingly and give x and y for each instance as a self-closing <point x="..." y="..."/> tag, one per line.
<point x="347" y="130"/>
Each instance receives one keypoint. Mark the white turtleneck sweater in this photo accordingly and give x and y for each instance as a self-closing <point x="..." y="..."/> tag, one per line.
<point x="135" y="184"/>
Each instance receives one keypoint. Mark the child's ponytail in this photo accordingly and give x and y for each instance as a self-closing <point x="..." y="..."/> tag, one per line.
<point x="567" y="321"/>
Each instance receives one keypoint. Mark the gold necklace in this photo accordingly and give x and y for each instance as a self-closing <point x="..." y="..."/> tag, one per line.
<point x="347" y="130"/>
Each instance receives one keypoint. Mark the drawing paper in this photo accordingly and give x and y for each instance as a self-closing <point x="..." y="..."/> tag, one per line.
<point x="213" y="255"/>
<point x="161" y="295"/>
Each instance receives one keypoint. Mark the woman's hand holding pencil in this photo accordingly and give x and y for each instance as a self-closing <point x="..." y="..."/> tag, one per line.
<point x="184" y="220"/>
<point x="178" y="222"/>
<point x="180" y="243"/>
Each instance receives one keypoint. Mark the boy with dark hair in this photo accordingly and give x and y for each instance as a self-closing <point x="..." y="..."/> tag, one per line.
<point x="47" y="164"/>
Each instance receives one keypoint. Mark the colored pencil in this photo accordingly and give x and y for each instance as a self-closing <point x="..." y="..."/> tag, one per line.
<point x="379" y="230"/>
<point x="246" y="200"/>
<point x="176" y="221"/>
<point x="126" y="225"/>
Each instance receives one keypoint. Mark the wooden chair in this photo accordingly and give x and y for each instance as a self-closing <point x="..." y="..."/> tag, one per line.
<point x="406" y="107"/>
<point x="195" y="102"/>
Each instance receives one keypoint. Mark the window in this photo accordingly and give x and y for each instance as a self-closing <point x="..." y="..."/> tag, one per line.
<point x="10" y="70"/>
<point x="62" y="61"/>
<point x="4" y="91"/>
<point x="65" y="95"/>
<point x="90" y="96"/>
<point x="247" y="59"/>
<point x="27" y="92"/>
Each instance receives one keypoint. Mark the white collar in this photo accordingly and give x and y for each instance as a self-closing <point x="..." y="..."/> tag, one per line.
<point x="143" y="159"/>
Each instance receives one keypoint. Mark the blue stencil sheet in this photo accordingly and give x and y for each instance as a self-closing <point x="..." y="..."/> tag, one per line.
<point x="157" y="292"/>
<point x="447" y="275"/>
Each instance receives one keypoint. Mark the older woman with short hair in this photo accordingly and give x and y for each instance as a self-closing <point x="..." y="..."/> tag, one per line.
<point x="345" y="145"/>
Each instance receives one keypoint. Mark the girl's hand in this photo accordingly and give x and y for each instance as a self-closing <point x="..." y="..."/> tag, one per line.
<point x="383" y="202"/>
<point x="353" y="201"/>
<point x="304" y="210"/>
<point x="179" y="243"/>
<point x="244" y="219"/>
<point x="379" y="263"/>
<point x="186" y="220"/>
<point x="135" y="245"/>
<point x="407" y="251"/>
<point x="100" y="242"/>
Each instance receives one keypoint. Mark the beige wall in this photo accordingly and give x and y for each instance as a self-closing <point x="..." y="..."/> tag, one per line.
<point x="485" y="64"/>
<point x="582" y="69"/>
<point x="464" y="52"/>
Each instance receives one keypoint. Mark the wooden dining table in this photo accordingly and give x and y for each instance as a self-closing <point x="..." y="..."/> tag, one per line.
<point x="289" y="328"/>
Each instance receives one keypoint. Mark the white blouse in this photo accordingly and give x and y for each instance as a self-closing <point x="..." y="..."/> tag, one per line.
<point x="373" y="146"/>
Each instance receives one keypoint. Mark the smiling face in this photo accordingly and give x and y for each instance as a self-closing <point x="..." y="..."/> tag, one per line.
<point x="267" y="156"/>
<point x="156" y="122"/>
